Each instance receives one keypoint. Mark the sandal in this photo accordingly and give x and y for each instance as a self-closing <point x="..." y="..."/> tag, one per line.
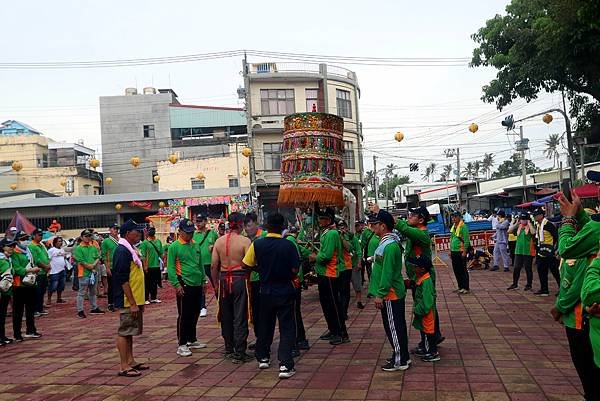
<point x="129" y="373"/>
<point x="140" y="366"/>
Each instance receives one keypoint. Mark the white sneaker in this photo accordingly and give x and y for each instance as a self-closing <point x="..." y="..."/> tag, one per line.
<point x="156" y="301"/>
<point x="196" y="345"/>
<point x="183" y="350"/>
<point x="264" y="364"/>
<point x="147" y="303"/>
<point x="203" y="312"/>
<point x="285" y="373"/>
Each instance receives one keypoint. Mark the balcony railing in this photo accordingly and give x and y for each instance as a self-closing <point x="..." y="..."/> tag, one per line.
<point x="302" y="68"/>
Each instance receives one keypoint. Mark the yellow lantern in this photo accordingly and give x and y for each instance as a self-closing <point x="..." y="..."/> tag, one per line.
<point x="200" y="176"/>
<point x="108" y="180"/>
<point x="135" y="161"/>
<point x="161" y="204"/>
<point x="246" y="152"/>
<point x="17" y="166"/>
<point x="547" y="118"/>
<point x="118" y="206"/>
<point x="473" y="128"/>
<point x="94" y="163"/>
<point x="63" y="182"/>
<point x="173" y="158"/>
<point x="13" y="186"/>
<point x="156" y="178"/>
<point x="399" y="136"/>
<point x="244" y="171"/>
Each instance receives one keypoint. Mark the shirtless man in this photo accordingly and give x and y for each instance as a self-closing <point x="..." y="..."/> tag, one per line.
<point x="232" y="289"/>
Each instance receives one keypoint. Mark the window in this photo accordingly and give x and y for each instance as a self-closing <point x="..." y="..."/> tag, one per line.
<point x="344" y="105"/>
<point x="197" y="184"/>
<point x="312" y="99"/>
<point x="148" y="131"/>
<point x="233" y="183"/>
<point x="272" y="152"/>
<point x="277" y="102"/>
<point x="348" y="155"/>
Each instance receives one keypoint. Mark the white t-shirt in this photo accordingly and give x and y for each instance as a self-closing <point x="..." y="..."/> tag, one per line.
<point x="57" y="260"/>
<point x="494" y="221"/>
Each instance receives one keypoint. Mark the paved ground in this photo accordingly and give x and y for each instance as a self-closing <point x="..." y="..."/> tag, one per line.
<point x="499" y="346"/>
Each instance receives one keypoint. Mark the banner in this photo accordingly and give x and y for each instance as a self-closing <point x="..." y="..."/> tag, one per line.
<point x="479" y="239"/>
<point x="147" y="205"/>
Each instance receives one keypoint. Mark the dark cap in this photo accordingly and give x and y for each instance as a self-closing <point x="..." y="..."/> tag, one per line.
<point x="37" y="231"/>
<point x="595" y="217"/>
<point x="456" y="213"/>
<point x="421" y="261"/>
<point x="421" y="211"/>
<point x="524" y="216"/>
<point x="383" y="216"/>
<point x="22" y="235"/>
<point x="593" y="175"/>
<point x="6" y="242"/>
<point x="152" y="230"/>
<point x="187" y="226"/>
<point x="327" y="213"/>
<point x="539" y="210"/>
<point x="87" y="232"/>
<point x="293" y="230"/>
<point x="501" y="213"/>
<point x="115" y="225"/>
<point x="130" y="225"/>
<point x="221" y="226"/>
<point x="201" y="217"/>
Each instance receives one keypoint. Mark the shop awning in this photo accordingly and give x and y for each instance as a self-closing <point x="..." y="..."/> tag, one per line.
<point x="545" y="191"/>
<point x="587" y="191"/>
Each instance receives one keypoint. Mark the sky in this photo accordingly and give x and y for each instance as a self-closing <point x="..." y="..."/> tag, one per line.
<point x="431" y="106"/>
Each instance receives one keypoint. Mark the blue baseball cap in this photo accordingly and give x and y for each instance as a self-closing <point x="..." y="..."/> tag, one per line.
<point x="187" y="226"/>
<point x="130" y="225"/>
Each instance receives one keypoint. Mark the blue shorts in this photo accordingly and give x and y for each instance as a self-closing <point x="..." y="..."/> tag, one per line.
<point x="56" y="282"/>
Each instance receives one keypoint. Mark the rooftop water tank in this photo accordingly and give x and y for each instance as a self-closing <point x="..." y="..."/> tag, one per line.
<point x="148" y="90"/>
<point x="130" y="91"/>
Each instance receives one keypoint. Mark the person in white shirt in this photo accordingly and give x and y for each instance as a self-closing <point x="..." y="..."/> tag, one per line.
<point x="494" y="219"/>
<point x="57" y="274"/>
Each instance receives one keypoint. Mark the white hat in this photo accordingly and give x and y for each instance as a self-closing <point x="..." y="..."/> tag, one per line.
<point x="13" y="229"/>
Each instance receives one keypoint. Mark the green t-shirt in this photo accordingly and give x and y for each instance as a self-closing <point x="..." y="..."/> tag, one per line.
<point x="303" y="253"/>
<point x="386" y="276"/>
<point x="525" y="245"/>
<point x="330" y="258"/>
<point x="19" y="262"/>
<point x="254" y="275"/>
<point x="418" y="242"/>
<point x="370" y="241"/>
<point x="151" y="251"/>
<point x="39" y="254"/>
<point x="85" y="254"/>
<point x="184" y="261"/>
<point x="459" y="237"/>
<point x="424" y="305"/>
<point x="205" y="241"/>
<point x="108" y="247"/>
<point x="590" y="294"/>
<point x="6" y="267"/>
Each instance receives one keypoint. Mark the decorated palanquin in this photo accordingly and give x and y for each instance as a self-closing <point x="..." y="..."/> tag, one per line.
<point x="312" y="160"/>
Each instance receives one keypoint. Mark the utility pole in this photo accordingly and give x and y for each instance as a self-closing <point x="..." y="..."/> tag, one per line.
<point x="252" y="171"/>
<point x="523" y="164"/>
<point x="237" y="162"/>
<point x="458" y="177"/>
<point x="375" y="189"/>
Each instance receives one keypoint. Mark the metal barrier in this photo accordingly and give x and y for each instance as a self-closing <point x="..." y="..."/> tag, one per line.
<point x="478" y="239"/>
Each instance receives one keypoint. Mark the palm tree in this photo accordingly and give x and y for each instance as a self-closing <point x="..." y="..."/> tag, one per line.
<point x="432" y="169"/>
<point x="369" y="177"/>
<point x="477" y="168"/>
<point x="468" y="170"/>
<point x="447" y="171"/>
<point x="389" y="174"/>
<point x="552" y="145"/>
<point x="488" y="162"/>
<point x="427" y="174"/>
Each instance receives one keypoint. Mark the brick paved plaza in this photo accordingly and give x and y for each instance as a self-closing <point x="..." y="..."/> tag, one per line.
<point x="499" y="346"/>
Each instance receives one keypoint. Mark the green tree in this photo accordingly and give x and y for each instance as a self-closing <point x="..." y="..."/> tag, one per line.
<point x="393" y="182"/>
<point x="544" y="45"/>
<point x="447" y="172"/>
<point x="476" y="168"/>
<point x="369" y="176"/>
<point x="512" y="167"/>
<point x="552" y="148"/>
<point x="487" y="163"/>
<point x="468" y="171"/>
<point x="426" y="174"/>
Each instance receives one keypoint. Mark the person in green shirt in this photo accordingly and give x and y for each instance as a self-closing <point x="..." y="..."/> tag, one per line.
<point x="205" y="238"/>
<point x="329" y="262"/>
<point x="24" y="295"/>
<point x="459" y="243"/>
<point x="346" y="274"/>
<point x="368" y="242"/>
<point x="7" y="247"/>
<point x="151" y="250"/>
<point x="40" y="258"/>
<point x="186" y="275"/>
<point x="424" y="309"/>
<point x="357" y="278"/>
<point x="87" y="257"/>
<point x="387" y="288"/>
<point x="578" y="239"/>
<point x="590" y="299"/>
<point x="303" y="253"/>
<point x="524" y="251"/>
<point x="107" y="252"/>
